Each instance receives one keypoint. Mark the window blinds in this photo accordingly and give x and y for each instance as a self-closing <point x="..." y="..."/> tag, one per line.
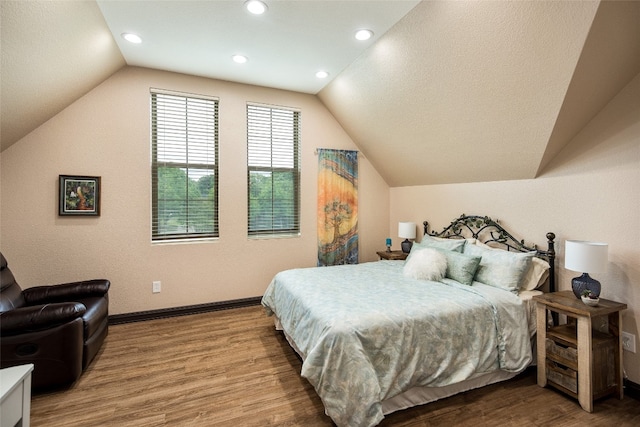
<point x="184" y="135"/>
<point x="273" y="138"/>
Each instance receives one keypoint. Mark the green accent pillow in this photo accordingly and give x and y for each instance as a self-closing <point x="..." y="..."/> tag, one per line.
<point x="461" y="267"/>
<point x="501" y="269"/>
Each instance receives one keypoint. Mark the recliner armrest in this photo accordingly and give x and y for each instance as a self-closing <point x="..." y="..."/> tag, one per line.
<point x="66" y="291"/>
<point x="39" y="317"/>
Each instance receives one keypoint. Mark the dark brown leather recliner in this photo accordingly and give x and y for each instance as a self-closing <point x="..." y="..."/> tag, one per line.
<point x="58" y="328"/>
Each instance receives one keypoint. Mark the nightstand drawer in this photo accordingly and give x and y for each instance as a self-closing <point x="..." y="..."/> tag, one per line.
<point x="565" y="355"/>
<point x="564" y="377"/>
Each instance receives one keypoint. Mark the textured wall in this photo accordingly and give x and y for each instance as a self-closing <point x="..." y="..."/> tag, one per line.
<point x="53" y="52"/>
<point x="591" y="191"/>
<point x="456" y="87"/>
<point x="106" y="133"/>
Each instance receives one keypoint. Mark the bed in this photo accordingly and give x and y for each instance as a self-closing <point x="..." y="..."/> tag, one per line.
<point x="383" y="336"/>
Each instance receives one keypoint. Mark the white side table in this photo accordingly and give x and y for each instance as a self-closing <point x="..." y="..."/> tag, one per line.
<point x="15" y="389"/>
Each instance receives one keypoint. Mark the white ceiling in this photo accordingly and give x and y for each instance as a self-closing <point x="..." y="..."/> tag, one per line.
<point x="446" y="91"/>
<point x="286" y="46"/>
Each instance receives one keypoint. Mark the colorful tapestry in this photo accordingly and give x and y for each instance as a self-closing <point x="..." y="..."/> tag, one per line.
<point x="337" y="207"/>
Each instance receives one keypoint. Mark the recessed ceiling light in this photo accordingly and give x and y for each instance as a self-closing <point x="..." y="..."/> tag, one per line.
<point x="322" y="74"/>
<point x="364" y="34"/>
<point x="256" y="7"/>
<point x="132" y="38"/>
<point x="240" y="59"/>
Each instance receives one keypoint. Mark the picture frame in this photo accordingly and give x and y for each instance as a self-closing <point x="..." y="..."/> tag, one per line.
<point x="79" y="195"/>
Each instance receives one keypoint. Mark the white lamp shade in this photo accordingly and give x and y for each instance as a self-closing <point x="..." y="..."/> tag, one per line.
<point x="407" y="230"/>
<point x="586" y="257"/>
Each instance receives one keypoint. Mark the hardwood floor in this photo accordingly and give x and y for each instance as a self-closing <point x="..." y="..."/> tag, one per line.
<point x="231" y="368"/>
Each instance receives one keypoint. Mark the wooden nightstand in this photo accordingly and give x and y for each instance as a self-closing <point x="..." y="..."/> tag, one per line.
<point x="574" y="358"/>
<point x="393" y="255"/>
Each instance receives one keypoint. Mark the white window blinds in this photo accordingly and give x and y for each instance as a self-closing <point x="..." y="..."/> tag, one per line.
<point x="273" y="138"/>
<point x="184" y="167"/>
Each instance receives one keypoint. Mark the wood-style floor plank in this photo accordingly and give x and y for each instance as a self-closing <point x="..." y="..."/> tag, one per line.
<point x="231" y="368"/>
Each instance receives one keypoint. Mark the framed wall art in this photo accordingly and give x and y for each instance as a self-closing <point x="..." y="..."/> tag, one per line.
<point x="79" y="195"/>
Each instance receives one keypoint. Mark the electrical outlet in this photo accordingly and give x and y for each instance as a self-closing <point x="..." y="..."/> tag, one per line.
<point x="629" y="342"/>
<point x="156" y="287"/>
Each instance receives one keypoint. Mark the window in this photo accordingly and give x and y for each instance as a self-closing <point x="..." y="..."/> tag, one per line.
<point x="184" y="166"/>
<point x="273" y="138"/>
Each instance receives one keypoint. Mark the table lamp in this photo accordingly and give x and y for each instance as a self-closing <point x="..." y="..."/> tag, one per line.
<point x="585" y="257"/>
<point x="406" y="231"/>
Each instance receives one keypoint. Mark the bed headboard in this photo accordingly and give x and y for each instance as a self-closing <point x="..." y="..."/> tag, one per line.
<point x="489" y="231"/>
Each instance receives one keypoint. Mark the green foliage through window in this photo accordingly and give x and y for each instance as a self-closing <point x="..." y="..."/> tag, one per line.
<point x="273" y="170"/>
<point x="184" y="167"/>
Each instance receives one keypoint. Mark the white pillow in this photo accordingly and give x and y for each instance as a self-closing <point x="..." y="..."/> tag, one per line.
<point x="425" y="264"/>
<point x="468" y="240"/>
<point x="438" y="242"/>
<point x="537" y="274"/>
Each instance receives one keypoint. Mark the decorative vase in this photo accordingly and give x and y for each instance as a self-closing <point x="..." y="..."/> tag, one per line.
<point x="583" y="283"/>
<point x="406" y="246"/>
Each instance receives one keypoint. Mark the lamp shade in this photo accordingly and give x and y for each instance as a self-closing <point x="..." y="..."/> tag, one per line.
<point x="407" y="230"/>
<point x="586" y="257"/>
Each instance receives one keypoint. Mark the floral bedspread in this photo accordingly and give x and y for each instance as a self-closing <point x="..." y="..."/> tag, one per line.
<point x="366" y="333"/>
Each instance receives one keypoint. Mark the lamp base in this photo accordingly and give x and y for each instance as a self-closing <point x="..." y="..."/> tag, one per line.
<point x="406" y="246"/>
<point x="583" y="283"/>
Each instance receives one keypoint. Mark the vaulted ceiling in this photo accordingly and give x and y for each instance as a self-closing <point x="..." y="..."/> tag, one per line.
<point x="446" y="91"/>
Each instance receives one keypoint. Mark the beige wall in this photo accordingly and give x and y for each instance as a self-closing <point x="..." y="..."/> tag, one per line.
<point x="591" y="191"/>
<point x="106" y="133"/>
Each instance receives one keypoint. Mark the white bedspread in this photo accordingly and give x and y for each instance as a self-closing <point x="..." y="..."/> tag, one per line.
<point x="366" y="333"/>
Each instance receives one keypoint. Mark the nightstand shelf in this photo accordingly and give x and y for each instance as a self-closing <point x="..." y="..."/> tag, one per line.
<point x="574" y="358"/>
<point x="392" y="255"/>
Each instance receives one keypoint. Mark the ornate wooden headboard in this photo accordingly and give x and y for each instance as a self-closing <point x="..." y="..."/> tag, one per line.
<point x="489" y="231"/>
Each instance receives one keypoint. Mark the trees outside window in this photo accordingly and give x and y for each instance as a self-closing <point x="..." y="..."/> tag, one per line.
<point x="273" y="138"/>
<point x="184" y="167"/>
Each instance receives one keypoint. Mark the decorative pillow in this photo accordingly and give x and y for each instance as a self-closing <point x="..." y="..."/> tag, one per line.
<point x="461" y="267"/>
<point x="425" y="264"/>
<point x="498" y="268"/>
<point x="535" y="276"/>
<point x="448" y="244"/>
